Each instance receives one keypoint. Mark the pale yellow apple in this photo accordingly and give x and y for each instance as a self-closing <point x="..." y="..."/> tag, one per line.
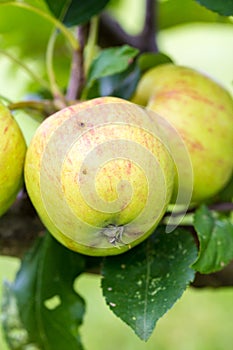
<point x="99" y="176"/>
<point x="12" y="154"/>
<point x="202" y="112"/>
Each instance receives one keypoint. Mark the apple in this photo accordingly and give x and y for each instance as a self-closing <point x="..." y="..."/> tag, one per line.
<point x="99" y="175"/>
<point x="12" y="155"/>
<point x="202" y="112"/>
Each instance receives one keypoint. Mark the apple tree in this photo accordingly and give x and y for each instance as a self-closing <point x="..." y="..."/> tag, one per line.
<point x="116" y="161"/>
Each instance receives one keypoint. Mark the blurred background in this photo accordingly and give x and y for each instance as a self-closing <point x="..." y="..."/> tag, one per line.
<point x="191" y="36"/>
<point x="200" y="320"/>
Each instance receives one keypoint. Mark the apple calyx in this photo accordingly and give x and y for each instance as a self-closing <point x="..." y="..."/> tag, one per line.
<point x="114" y="234"/>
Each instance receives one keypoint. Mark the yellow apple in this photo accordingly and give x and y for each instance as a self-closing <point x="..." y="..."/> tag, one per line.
<point x="99" y="175"/>
<point x="12" y="154"/>
<point x="202" y="113"/>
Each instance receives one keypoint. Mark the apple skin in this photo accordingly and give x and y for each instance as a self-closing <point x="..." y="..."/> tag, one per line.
<point x="73" y="219"/>
<point x="202" y="112"/>
<point x="12" y="155"/>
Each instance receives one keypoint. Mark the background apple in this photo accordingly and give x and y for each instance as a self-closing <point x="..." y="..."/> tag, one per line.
<point x="202" y="112"/>
<point x="98" y="175"/>
<point x="12" y="154"/>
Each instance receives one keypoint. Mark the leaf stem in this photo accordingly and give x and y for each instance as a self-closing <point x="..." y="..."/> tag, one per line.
<point x="57" y="94"/>
<point x="91" y="42"/>
<point x="35" y="77"/>
<point x="45" y="107"/>
<point x="67" y="33"/>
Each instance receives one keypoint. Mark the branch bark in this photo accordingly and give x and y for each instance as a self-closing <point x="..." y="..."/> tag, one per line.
<point x="19" y="227"/>
<point x="77" y="76"/>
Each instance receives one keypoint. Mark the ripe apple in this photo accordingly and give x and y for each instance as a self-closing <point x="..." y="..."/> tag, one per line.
<point x="12" y="154"/>
<point x="202" y="112"/>
<point x="99" y="176"/>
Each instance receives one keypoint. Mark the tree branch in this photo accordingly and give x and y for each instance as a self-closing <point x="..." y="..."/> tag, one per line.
<point x="112" y="34"/>
<point x="20" y="227"/>
<point x="77" y="76"/>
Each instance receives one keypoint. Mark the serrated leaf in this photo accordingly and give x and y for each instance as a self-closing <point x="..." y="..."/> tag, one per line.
<point x="49" y="308"/>
<point x="75" y="12"/>
<point x="142" y="285"/>
<point x="149" y="60"/>
<point x="224" y="8"/>
<point x="216" y="241"/>
<point x="109" y="62"/>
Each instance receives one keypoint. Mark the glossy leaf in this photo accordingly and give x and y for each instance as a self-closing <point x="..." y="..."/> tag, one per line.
<point x="49" y="309"/>
<point x="223" y="7"/>
<point x="75" y="12"/>
<point x="149" y="60"/>
<point x="108" y="63"/>
<point x="142" y="285"/>
<point x="216" y="241"/>
<point x="122" y="84"/>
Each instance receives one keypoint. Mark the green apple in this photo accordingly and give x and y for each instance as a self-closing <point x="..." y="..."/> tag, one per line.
<point x="12" y="155"/>
<point x="99" y="176"/>
<point x="202" y="112"/>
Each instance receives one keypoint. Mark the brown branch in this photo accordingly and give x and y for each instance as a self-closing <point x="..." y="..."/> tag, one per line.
<point x="223" y="278"/>
<point x="19" y="227"/>
<point x="112" y="34"/>
<point x="77" y="76"/>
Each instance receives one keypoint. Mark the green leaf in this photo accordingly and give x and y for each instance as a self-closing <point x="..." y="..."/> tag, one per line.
<point x="49" y="308"/>
<point x="75" y="12"/>
<point x="120" y="85"/>
<point x="223" y="7"/>
<point x="216" y="241"/>
<point x="149" y="60"/>
<point x="109" y="62"/>
<point x="142" y="285"/>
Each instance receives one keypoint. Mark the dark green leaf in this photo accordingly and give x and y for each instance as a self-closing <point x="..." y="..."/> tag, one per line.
<point x="142" y="285"/>
<point x="75" y="12"/>
<point x="120" y="85"/>
<point x="49" y="308"/>
<point x="223" y="7"/>
<point x="109" y="62"/>
<point x="149" y="60"/>
<point x="216" y="241"/>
